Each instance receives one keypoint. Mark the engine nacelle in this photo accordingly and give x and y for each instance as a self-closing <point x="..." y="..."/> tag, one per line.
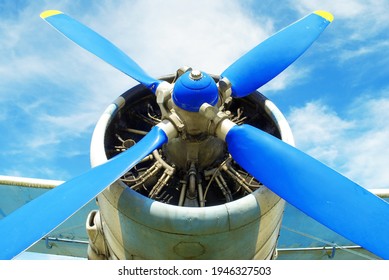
<point x="189" y="199"/>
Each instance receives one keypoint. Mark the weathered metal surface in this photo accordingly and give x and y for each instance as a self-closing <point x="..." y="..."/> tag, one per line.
<point x="137" y="227"/>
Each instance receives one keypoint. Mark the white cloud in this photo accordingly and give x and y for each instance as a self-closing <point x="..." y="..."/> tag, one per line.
<point x="356" y="145"/>
<point x="369" y="151"/>
<point x="319" y="131"/>
<point x="208" y="35"/>
<point x="360" y="51"/>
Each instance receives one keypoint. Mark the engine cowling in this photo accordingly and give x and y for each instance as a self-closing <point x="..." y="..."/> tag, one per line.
<point x="188" y="200"/>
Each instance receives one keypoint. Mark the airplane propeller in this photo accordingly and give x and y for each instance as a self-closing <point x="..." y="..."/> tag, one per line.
<point x="304" y="182"/>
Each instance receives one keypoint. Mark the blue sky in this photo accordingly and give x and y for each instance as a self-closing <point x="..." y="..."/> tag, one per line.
<point x="335" y="97"/>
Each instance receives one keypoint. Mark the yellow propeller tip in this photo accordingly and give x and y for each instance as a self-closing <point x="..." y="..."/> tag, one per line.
<point x="49" y="13"/>
<point x="324" y="14"/>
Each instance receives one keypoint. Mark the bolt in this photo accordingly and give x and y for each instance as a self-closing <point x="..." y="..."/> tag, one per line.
<point x="195" y="75"/>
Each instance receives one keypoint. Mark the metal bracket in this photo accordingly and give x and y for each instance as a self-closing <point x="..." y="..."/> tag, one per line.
<point x="175" y="119"/>
<point x="163" y="95"/>
<point x="225" y="89"/>
<point x="220" y="120"/>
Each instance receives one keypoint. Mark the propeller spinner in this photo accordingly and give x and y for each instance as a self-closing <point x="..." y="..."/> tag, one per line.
<point x="314" y="188"/>
<point x="193" y="89"/>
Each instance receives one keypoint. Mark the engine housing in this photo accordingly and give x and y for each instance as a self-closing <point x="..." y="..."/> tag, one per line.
<point x="189" y="199"/>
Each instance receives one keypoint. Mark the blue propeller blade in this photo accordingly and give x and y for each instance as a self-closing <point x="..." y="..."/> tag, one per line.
<point x="101" y="47"/>
<point x="28" y="224"/>
<point x="314" y="188"/>
<point x="275" y="54"/>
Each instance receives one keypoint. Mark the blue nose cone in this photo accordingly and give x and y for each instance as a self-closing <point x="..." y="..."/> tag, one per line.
<point x="194" y="88"/>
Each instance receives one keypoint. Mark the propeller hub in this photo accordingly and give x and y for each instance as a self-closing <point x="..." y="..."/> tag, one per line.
<point x="193" y="89"/>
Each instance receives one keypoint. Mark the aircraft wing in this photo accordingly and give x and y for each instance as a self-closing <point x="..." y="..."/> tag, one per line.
<point x="68" y="240"/>
<point x="29" y="182"/>
<point x="300" y="238"/>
